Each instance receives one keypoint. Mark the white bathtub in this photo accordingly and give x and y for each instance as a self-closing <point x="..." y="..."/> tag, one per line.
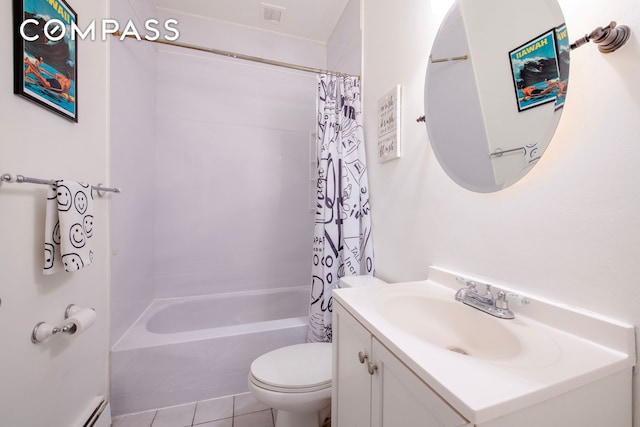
<point x="188" y="349"/>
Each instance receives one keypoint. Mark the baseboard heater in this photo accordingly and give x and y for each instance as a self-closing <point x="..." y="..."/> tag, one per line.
<point x="97" y="414"/>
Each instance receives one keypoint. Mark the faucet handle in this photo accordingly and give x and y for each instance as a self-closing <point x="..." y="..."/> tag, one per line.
<point x="502" y="303"/>
<point x="469" y="283"/>
<point x="521" y="298"/>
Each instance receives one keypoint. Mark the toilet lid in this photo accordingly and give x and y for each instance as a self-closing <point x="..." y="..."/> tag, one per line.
<point x="301" y="366"/>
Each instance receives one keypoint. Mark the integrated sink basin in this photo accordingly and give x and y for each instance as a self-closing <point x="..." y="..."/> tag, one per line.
<point x="450" y="325"/>
<point x="483" y="365"/>
<point x="430" y="315"/>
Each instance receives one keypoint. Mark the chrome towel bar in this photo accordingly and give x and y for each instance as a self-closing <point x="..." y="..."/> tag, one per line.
<point x="25" y="179"/>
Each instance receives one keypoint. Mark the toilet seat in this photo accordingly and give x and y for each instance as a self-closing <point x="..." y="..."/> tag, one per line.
<point x="271" y="387"/>
<point x="300" y="368"/>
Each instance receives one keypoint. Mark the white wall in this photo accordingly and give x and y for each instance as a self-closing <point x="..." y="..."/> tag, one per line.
<point x="232" y="164"/>
<point x="250" y="41"/>
<point x="133" y="134"/>
<point x="52" y="383"/>
<point x="344" y="47"/>
<point x="568" y="231"/>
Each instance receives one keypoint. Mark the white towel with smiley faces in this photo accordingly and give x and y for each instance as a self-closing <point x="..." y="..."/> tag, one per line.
<point x="68" y="227"/>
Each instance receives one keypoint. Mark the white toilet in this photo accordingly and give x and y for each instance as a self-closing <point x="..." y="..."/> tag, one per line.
<point x="296" y="380"/>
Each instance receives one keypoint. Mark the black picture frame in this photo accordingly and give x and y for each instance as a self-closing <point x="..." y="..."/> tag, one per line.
<point x="45" y="55"/>
<point x="534" y="68"/>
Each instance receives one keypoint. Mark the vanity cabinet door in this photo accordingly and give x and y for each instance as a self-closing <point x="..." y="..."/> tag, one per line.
<point x="351" y="394"/>
<point x="373" y="388"/>
<point x="399" y="397"/>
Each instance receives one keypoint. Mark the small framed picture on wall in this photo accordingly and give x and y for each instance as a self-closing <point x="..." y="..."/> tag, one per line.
<point x="389" y="115"/>
<point x="45" y="55"/>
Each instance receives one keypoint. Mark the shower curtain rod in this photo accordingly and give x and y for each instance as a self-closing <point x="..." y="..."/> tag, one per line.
<point x="237" y="56"/>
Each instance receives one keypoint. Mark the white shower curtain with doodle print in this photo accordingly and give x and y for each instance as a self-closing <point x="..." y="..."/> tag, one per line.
<point x="342" y="244"/>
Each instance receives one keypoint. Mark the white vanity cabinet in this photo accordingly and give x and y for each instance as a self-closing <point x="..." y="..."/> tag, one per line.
<point x="372" y="387"/>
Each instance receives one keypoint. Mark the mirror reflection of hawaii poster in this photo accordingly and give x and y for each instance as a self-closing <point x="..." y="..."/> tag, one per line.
<point x="45" y="67"/>
<point x="563" y="50"/>
<point x="535" y="71"/>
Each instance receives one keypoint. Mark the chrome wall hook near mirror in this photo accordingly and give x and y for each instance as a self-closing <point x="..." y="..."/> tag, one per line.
<point x="609" y="38"/>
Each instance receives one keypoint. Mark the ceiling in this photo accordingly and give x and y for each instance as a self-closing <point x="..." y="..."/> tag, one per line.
<point x="309" y="19"/>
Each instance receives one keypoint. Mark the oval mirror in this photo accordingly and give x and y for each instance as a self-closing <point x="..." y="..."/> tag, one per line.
<point x="494" y="89"/>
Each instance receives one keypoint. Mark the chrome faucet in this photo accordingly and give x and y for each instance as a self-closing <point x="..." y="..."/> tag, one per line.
<point x="485" y="301"/>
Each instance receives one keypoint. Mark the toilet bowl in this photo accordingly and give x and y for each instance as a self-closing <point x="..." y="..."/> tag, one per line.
<point x="296" y="380"/>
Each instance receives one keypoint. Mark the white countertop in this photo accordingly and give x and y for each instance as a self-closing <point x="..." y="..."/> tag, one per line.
<point x="562" y="348"/>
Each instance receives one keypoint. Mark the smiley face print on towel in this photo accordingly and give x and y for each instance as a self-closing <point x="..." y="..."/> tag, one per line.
<point x="72" y="262"/>
<point x="49" y="255"/>
<point x="88" y="226"/>
<point x="69" y="227"/>
<point x="76" y="236"/>
<point x="81" y="198"/>
<point x="55" y="235"/>
<point x="64" y="198"/>
<point x="80" y="202"/>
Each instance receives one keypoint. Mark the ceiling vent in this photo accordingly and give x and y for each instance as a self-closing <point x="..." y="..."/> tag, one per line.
<point x="271" y="13"/>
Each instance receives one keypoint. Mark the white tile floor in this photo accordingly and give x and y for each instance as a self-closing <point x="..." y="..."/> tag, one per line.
<point x="241" y="410"/>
